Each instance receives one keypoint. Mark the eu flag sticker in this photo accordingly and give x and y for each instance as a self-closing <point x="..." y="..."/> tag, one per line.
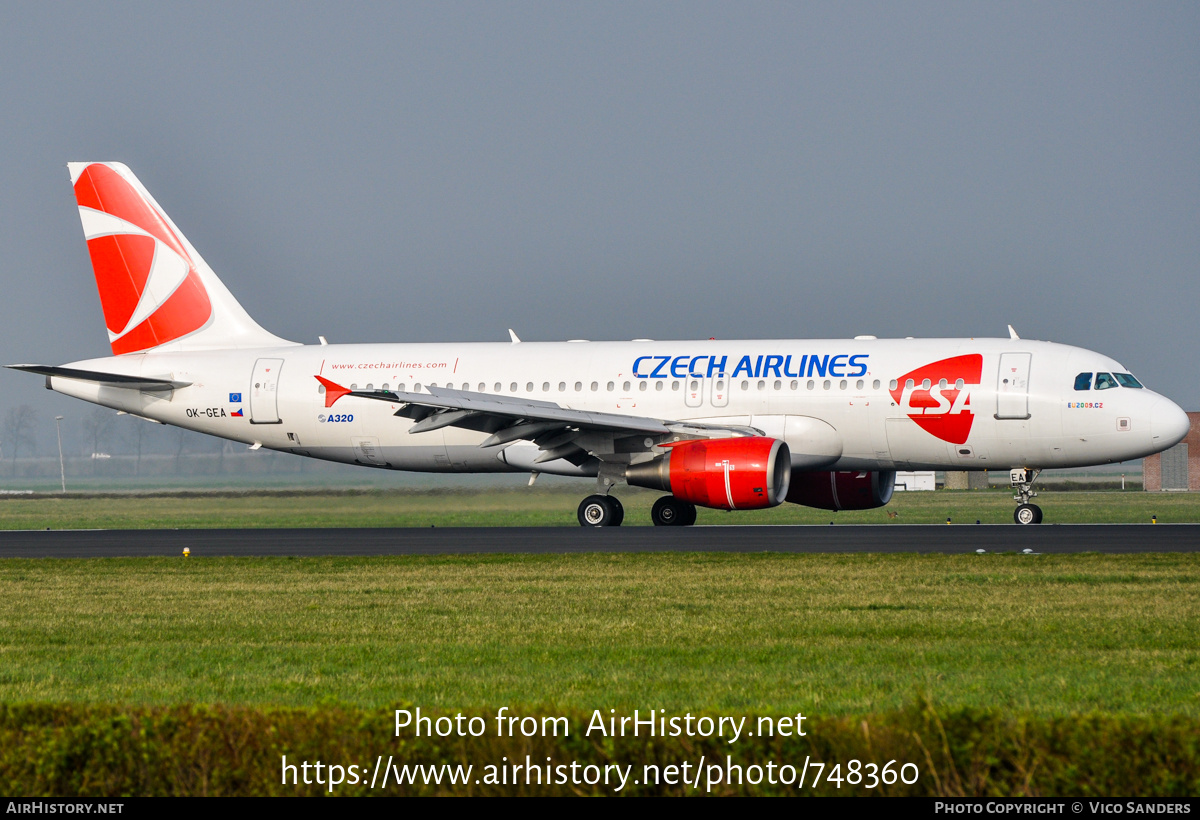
<point x="235" y="398"/>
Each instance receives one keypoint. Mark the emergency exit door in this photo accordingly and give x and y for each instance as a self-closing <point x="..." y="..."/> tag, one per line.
<point x="1012" y="386"/>
<point x="264" y="404"/>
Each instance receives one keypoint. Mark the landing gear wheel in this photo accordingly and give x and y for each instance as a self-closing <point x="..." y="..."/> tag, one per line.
<point x="619" y="511"/>
<point x="1028" y="514"/>
<point x="600" y="511"/>
<point x="669" y="511"/>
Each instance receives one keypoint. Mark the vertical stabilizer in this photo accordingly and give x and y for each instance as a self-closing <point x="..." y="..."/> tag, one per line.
<point x="157" y="292"/>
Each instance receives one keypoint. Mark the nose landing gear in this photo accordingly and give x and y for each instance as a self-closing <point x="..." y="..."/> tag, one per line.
<point x="1022" y="481"/>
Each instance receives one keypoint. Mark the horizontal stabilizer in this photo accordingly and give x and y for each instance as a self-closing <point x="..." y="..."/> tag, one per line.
<point x="143" y="383"/>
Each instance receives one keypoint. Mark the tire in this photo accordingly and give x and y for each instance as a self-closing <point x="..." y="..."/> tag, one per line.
<point x="596" y="511"/>
<point x="689" y="517"/>
<point x="617" y="510"/>
<point x="1027" y="514"/>
<point x="669" y="511"/>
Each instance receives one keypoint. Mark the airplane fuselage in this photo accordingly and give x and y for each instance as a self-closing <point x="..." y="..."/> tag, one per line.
<point x="862" y="404"/>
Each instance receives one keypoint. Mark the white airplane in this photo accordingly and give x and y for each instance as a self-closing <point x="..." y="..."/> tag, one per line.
<point x="731" y="425"/>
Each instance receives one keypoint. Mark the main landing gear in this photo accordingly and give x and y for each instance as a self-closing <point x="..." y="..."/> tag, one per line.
<point x="1022" y="482"/>
<point x="601" y="511"/>
<point x="606" y="511"/>
<point x="669" y="511"/>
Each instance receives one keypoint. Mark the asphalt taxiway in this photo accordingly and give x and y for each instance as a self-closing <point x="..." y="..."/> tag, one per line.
<point x="955" y="538"/>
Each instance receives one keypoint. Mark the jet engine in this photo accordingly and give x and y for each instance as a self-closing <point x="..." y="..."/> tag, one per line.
<point x="842" y="490"/>
<point x="726" y="474"/>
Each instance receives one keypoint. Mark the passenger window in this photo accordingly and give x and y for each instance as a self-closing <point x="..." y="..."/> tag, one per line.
<point x="761" y="385"/>
<point x="579" y="386"/>
<point x="528" y="387"/>
<point x="695" y="385"/>
<point x="545" y="387"/>
<point x="562" y="387"/>
<point x="745" y="384"/>
<point x="499" y="387"/>
<point x="842" y="384"/>
<point x="352" y="387"/>
<point x="1083" y="381"/>
<point x="642" y="386"/>
<point x="674" y="385"/>
<point x="778" y="385"/>
<point x="658" y="385"/>
<point x="1127" y="380"/>
<point x="386" y="387"/>
<point x="416" y="387"/>
<point x="1105" y="381"/>
<point x="893" y="384"/>
<point x="400" y="388"/>
<point x="611" y="387"/>
<point x="596" y="386"/>
<point x="812" y="385"/>
<point x="958" y="384"/>
<point x="795" y="385"/>
<point x="826" y="385"/>
<point x="858" y="385"/>
<point x="625" y="387"/>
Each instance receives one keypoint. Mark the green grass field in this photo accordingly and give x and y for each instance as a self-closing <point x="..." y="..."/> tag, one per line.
<point x="830" y="635"/>
<point x="544" y="506"/>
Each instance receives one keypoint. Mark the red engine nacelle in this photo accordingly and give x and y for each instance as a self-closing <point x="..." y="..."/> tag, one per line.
<point x="726" y="474"/>
<point x="842" y="490"/>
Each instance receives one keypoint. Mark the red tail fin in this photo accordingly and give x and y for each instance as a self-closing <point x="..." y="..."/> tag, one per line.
<point x="149" y="287"/>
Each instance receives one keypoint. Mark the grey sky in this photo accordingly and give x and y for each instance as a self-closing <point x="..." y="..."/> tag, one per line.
<point x="409" y="172"/>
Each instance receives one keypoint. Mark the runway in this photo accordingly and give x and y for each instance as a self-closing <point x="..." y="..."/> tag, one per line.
<point x="900" y="538"/>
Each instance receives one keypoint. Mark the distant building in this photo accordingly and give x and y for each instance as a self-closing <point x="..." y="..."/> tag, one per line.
<point x="1176" y="469"/>
<point x="922" y="480"/>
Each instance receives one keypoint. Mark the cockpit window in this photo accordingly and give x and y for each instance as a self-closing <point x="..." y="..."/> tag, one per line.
<point x="1105" y="381"/>
<point x="1127" y="380"/>
<point x="1083" y="381"/>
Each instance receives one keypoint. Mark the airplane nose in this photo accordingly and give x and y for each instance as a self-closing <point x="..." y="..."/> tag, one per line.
<point x="1168" y="424"/>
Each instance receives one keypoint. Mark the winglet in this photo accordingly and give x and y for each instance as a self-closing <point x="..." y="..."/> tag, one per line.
<point x="513" y="336"/>
<point x="1012" y="334"/>
<point x="333" y="390"/>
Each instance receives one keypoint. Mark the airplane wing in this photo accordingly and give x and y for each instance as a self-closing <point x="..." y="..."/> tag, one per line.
<point x="560" y="432"/>
<point x="142" y="383"/>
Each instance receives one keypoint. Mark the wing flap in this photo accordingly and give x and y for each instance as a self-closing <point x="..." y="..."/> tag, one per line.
<point x="558" y="431"/>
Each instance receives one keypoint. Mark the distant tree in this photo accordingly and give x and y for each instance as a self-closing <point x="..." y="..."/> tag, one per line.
<point x="137" y="433"/>
<point x="98" y="426"/>
<point x="181" y="439"/>
<point x="20" y="425"/>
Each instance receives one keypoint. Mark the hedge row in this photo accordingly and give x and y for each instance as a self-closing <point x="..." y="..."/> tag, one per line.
<point x="111" y="751"/>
